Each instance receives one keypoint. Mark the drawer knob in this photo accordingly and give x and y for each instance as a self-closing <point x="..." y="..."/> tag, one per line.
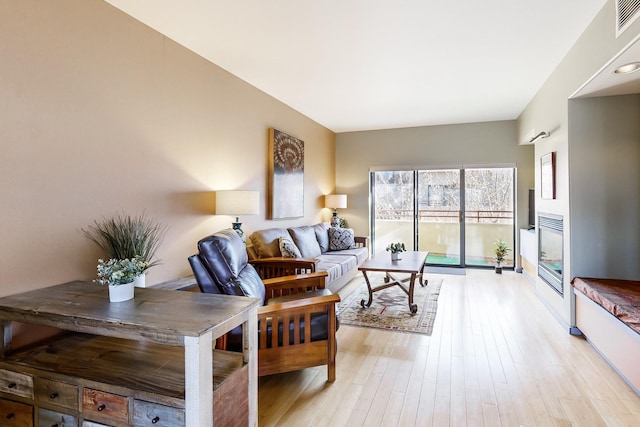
<point x="53" y="395"/>
<point x="11" y="416"/>
<point x="155" y="420"/>
<point x="101" y="408"/>
<point x="12" y="385"/>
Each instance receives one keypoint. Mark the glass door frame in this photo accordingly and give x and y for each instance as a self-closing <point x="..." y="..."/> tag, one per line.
<point x="462" y="207"/>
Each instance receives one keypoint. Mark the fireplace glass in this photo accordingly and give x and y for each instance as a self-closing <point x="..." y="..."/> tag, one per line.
<point x="550" y="250"/>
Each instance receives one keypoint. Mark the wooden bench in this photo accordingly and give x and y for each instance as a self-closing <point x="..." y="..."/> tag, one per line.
<point x="608" y="314"/>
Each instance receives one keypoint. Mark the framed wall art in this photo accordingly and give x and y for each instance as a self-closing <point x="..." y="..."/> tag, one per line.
<point x="286" y="176"/>
<point x="548" y="176"/>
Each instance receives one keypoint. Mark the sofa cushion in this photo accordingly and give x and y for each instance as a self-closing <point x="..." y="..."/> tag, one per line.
<point x="333" y="269"/>
<point x="322" y="235"/>
<point x="305" y="239"/>
<point x="251" y="284"/>
<point x="288" y="249"/>
<point x="215" y="251"/>
<point x="266" y="243"/>
<point x="346" y="263"/>
<point x="360" y="254"/>
<point x="341" y="238"/>
<point x="225" y="255"/>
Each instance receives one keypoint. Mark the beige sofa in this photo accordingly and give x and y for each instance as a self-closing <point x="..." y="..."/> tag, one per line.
<point x="338" y="252"/>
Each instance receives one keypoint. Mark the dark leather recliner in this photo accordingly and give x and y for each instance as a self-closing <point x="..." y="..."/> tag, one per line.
<point x="291" y="303"/>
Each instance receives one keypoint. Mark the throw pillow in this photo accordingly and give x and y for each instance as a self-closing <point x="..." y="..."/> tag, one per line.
<point x="305" y="239"/>
<point x="265" y="242"/>
<point x="288" y="249"/>
<point x="322" y="236"/>
<point x="341" y="238"/>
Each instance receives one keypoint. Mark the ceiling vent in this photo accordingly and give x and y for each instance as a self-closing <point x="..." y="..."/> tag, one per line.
<point x="626" y="12"/>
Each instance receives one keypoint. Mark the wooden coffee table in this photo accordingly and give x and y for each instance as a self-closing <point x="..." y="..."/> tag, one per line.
<point x="410" y="262"/>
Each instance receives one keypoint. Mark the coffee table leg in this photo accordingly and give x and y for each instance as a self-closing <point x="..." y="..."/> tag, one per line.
<point x="423" y="281"/>
<point x="368" y="304"/>
<point x="412" y="307"/>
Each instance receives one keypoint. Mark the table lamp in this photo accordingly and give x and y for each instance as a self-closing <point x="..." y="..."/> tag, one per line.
<point x="335" y="202"/>
<point x="236" y="203"/>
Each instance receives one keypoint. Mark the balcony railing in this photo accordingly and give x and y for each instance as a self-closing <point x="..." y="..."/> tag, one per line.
<point x="433" y="215"/>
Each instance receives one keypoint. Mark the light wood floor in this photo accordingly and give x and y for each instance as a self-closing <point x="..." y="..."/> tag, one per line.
<point x="496" y="358"/>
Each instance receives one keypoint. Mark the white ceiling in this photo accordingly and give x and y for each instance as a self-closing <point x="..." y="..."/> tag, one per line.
<point x="374" y="64"/>
<point x="606" y="82"/>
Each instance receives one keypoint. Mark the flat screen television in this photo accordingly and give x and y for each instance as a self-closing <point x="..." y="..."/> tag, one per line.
<point x="532" y="208"/>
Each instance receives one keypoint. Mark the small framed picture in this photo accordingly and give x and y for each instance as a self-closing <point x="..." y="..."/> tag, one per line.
<point x="548" y="176"/>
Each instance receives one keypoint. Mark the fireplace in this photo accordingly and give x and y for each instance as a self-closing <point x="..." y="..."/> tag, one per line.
<point x="550" y="250"/>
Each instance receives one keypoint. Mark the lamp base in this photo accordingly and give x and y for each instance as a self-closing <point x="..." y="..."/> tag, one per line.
<point x="237" y="226"/>
<point x="335" y="221"/>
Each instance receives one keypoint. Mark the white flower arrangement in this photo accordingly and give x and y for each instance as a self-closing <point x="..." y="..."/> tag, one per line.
<point x="120" y="271"/>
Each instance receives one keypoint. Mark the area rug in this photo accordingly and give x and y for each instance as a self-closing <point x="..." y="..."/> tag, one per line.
<point x="390" y="308"/>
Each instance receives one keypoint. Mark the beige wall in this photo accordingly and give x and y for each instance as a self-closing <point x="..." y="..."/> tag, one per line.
<point x="549" y="111"/>
<point x="605" y="186"/>
<point x="100" y="114"/>
<point x="491" y="143"/>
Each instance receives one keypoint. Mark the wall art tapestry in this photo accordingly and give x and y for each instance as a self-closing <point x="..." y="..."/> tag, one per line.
<point x="286" y="175"/>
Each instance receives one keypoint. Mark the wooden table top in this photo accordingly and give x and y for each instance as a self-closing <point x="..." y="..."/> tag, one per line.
<point x="155" y="315"/>
<point x="409" y="262"/>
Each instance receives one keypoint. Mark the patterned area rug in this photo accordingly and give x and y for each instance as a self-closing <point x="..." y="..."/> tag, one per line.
<point x="390" y="308"/>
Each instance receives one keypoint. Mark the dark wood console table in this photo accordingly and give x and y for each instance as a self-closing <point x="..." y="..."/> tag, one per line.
<point x="173" y="330"/>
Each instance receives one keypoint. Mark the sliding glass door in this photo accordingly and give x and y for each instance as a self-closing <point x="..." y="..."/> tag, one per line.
<point x="439" y="215"/>
<point x="393" y="209"/>
<point x="489" y="213"/>
<point x="454" y="214"/>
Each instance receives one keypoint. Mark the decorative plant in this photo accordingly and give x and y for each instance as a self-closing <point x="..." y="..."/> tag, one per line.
<point x="343" y="222"/>
<point x="125" y="237"/>
<point x="501" y="250"/>
<point x="120" y="271"/>
<point x="395" y="248"/>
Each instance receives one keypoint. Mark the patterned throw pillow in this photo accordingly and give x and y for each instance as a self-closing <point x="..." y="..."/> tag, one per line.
<point x="341" y="238"/>
<point x="288" y="249"/>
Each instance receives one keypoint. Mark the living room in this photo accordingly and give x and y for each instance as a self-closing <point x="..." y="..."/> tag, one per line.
<point x="102" y="114"/>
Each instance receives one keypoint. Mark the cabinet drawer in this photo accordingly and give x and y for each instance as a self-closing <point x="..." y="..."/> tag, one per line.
<point x="104" y="406"/>
<point x="152" y="414"/>
<point x="47" y="418"/>
<point x="15" y="383"/>
<point x="14" y="414"/>
<point x="56" y="393"/>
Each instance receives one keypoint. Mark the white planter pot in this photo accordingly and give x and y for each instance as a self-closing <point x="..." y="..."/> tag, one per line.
<point x="140" y="281"/>
<point x="119" y="293"/>
<point x="395" y="256"/>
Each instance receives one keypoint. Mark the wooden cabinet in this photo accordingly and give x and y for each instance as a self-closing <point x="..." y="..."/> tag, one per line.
<point x="48" y="418"/>
<point x="15" y="383"/>
<point x="136" y="363"/>
<point x="56" y="393"/>
<point x="15" y="414"/>
<point x="102" y="406"/>
<point x="146" y="414"/>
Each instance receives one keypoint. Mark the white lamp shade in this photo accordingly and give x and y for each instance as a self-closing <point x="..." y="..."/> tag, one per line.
<point x="335" y="201"/>
<point x="237" y="202"/>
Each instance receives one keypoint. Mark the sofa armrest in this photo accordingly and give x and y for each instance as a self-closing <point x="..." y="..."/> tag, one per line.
<point x="361" y="241"/>
<point x="291" y="285"/>
<point x="280" y="266"/>
<point x="289" y="313"/>
<point x="301" y="304"/>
